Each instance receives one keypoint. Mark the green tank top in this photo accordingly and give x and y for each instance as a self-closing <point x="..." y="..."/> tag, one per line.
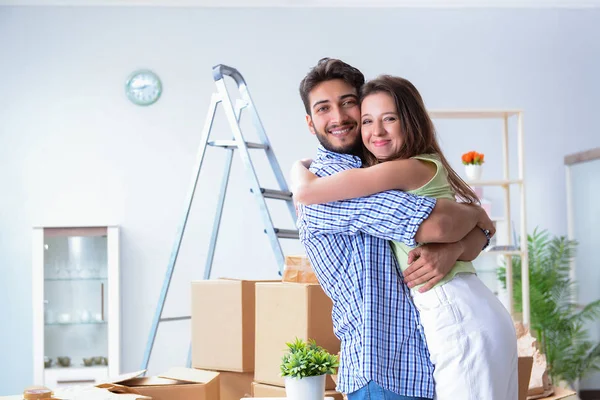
<point x="438" y="187"/>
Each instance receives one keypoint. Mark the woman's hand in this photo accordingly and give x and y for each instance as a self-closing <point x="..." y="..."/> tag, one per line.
<point x="485" y="223"/>
<point x="306" y="162"/>
<point x="301" y="178"/>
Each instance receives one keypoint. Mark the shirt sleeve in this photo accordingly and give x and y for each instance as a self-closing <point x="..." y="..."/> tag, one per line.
<point x="391" y="215"/>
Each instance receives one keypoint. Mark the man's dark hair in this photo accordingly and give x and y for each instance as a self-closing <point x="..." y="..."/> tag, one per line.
<point x="328" y="69"/>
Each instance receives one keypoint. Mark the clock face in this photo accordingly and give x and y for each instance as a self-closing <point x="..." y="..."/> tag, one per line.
<point x="143" y="87"/>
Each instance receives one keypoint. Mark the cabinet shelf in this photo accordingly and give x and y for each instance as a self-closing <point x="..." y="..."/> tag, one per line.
<point x="74" y="279"/>
<point x="75" y="323"/>
<point x="76" y="368"/>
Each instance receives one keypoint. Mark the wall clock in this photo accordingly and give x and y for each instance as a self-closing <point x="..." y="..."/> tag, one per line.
<point x="143" y="87"/>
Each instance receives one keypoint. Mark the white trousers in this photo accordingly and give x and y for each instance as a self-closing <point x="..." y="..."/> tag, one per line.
<point x="471" y="340"/>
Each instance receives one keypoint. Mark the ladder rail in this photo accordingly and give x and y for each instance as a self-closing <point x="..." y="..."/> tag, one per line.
<point x="251" y="172"/>
<point x="215" y="99"/>
<point x="217" y="220"/>
<point x="279" y="176"/>
<point x="219" y="71"/>
<point x="219" y="212"/>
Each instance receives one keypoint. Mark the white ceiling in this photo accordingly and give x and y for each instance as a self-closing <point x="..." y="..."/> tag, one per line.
<point x="315" y="3"/>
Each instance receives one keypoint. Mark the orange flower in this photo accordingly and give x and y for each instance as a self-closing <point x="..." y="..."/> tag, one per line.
<point x="473" y="157"/>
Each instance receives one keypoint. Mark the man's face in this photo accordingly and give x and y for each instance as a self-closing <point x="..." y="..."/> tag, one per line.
<point x="335" y="116"/>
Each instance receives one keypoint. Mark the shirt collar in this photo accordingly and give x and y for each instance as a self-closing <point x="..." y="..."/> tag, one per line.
<point x="323" y="154"/>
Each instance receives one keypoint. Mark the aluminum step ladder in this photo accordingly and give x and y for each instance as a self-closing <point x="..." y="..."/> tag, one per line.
<point x="233" y="114"/>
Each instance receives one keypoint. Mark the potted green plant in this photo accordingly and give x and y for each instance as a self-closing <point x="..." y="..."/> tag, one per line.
<point x="304" y="367"/>
<point x="556" y="320"/>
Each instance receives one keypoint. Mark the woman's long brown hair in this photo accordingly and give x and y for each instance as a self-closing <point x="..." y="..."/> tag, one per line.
<point x="416" y="125"/>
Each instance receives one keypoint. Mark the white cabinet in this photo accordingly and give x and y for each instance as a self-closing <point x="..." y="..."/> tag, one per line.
<point x="76" y="305"/>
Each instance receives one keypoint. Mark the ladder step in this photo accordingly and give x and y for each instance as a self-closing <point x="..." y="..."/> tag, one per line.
<point x="275" y="194"/>
<point x="175" y="318"/>
<point x="286" y="233"/>
<point x="233" y="143"/>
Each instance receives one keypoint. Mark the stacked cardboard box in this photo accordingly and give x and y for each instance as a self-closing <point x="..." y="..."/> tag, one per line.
<point x="223" y="333"/>
<point x="240" y="328"/>
<point x="285" y="311"/>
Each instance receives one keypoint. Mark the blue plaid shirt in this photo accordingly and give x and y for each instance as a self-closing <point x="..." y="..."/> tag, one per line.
<point x="373" y="315"/>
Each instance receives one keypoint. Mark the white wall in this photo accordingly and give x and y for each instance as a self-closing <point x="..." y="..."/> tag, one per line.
<point x="73" y="150"/>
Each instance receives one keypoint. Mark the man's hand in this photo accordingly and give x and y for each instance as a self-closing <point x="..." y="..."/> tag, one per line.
<point x="430" y="263"/>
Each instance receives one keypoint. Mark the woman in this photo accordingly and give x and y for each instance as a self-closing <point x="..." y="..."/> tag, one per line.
<point x="470" y="335"/>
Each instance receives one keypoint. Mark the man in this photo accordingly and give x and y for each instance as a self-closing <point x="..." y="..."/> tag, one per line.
<point x="383" y="351"/>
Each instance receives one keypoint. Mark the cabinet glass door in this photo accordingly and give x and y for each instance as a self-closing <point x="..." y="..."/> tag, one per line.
<point x="75" y="301"/>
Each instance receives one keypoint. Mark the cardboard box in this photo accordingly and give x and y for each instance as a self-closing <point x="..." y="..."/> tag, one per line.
<point x="297" y="269"/>
<point x="175" y="384"/>
<point x="262" y="390"/>
<point x="236" y="385"/>
<point x="561" y="394"/>
<point x="524" y="374"/>
<point x="285" y="311"/>
<point x="223" y="325"/>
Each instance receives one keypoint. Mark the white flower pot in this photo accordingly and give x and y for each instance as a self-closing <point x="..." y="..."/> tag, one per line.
<point x="309" y="388"/>
<point x="473" y="171"/>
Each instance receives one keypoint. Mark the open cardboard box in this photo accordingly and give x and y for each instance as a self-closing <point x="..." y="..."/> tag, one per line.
<point x="175" y="384"/>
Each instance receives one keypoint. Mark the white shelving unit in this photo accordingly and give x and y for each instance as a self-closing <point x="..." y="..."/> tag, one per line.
<point x="507" y="117"/>
<point x="76" y="304"/>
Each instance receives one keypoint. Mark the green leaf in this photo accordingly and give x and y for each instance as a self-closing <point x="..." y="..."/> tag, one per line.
<point x="305" y="359"/>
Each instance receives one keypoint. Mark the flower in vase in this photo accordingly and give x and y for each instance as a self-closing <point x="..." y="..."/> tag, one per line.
<point x="473" y="158"/>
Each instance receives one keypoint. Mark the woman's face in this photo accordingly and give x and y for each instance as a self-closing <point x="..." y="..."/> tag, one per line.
<point x="380" y="126"/>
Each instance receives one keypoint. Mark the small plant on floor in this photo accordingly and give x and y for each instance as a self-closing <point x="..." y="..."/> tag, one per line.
<point x="307" y="359"/>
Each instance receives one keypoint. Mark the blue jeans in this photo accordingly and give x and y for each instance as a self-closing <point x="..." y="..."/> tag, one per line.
<point x="373" y="391"/>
